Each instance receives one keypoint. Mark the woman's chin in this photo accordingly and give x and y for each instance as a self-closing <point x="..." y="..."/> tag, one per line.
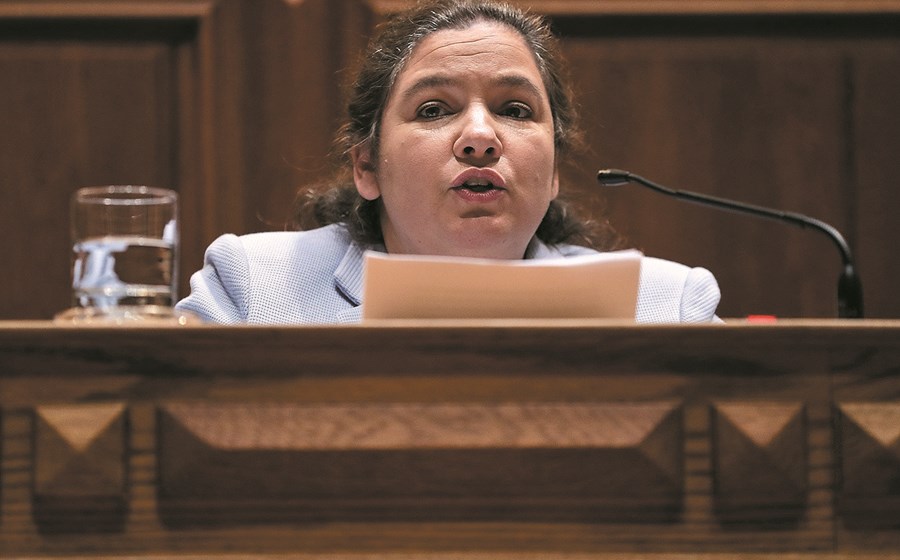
<point x="490" y="243"/>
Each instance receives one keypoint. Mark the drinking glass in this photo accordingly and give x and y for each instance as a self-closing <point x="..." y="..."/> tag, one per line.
<point x="124" y="255"/>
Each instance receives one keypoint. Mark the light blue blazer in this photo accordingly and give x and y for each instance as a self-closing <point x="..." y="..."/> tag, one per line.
<point x="316" y="277"/>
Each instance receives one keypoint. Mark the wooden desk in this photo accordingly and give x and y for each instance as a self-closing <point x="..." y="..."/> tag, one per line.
<point x="452" y="440"/>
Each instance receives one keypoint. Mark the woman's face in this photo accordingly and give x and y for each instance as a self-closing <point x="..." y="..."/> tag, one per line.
<point x="466" y="162"/>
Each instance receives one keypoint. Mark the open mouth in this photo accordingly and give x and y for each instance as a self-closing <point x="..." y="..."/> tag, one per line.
<point x="476" y="186"/>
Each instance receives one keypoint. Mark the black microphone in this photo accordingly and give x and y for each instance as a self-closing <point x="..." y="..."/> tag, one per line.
<point x="850" y="295"/>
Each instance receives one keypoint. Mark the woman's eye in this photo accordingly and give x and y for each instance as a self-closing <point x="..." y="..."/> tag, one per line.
<point x="516" y="111"/>
<point x="431" y="111"/>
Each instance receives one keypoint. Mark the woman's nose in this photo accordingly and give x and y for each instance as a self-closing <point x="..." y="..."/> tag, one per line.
<point x="478" y="138"/>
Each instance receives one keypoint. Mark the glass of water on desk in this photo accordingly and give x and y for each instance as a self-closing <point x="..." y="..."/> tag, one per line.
<point x="124" y="256"/>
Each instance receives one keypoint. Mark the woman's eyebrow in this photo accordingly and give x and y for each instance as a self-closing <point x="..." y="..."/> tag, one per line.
<point x="427" y="82"/>
<point x="519" y="81"/>
<point x="440" y="80"/>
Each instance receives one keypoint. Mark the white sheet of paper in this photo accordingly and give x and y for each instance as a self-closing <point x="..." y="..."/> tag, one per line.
<point x="602" y="285"/>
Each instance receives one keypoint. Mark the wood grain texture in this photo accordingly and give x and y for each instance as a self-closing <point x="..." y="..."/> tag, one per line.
<point x="760" y="467"/>
<point x="255" y="463"/>
<point x="76" y="115"/>
<point x="713" y="107"/>
<point x="467" y="413"/>
<point x="209" y="98"/>
<point x="79" y="468"/>
<point x="869" y="450"/>
<point x="78" y="450"/>
<point x="785" y="103"/>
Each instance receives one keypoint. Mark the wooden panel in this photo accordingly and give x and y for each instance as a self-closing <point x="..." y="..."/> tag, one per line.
<point x="79" y="112"/>
<point x="760" y="461"/>
<point x="235" y="436"/>
<point x="79" y="468"/>
<point x="876" y="174"/>
<point x="759" y="110"/>
<point x="866" y="397"/>
<point x="258" y="99"/>
<point x="291" y="87"/>
<point x="869" y="448"/>
<point x="229" y="103"/>
<point x="256" y="464"/>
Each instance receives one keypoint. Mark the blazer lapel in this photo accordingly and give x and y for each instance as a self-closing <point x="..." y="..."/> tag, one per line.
<point x="348" y="279"/>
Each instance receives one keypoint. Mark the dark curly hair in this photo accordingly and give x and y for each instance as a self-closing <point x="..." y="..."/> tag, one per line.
<point x="385" y="58"/>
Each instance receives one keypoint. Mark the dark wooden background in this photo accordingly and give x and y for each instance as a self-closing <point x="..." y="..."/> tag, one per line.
<point x="789" y="103"/>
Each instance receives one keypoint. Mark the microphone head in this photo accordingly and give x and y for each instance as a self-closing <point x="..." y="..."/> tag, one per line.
<point x="613" y="177"/>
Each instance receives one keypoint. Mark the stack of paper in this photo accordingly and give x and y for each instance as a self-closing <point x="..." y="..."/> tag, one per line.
<point x="602" y="285"/>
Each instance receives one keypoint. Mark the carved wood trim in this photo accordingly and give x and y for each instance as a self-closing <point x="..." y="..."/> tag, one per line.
<point x="80" y="472"/>
<point x="760" y="460"/>
<point x="250" y="418"/>
<point x="590" y="461"/>
<point x="869" y="454"/>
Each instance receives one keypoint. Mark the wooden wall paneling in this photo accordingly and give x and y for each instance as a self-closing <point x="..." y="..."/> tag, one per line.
<point x="270" y="80"/>
<point x="299" y="56"/>
<point x="723" y="108"/>
<point x="227" y="102"/>
<point x="84" y="102"/>
<point x="194" y="163"/>
<point x="125" y="117"/>
<point x="213" y="65"/>
<point x="264" y="79"/>
<point x="876" y="174"/>
<point x="215" y="199"/>
<point x="292" y="96"/>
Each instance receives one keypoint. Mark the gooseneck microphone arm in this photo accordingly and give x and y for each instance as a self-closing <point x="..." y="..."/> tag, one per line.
<point x="850" y="295"/>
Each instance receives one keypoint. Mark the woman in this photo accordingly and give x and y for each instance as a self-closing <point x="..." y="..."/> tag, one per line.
<point x="456" y="125"/>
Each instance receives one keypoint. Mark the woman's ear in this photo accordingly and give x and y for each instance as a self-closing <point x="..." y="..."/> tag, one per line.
<point x="364" y="172"/>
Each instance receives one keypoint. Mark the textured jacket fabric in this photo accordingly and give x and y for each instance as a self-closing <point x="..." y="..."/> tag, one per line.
<point x="316" y="277"/>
